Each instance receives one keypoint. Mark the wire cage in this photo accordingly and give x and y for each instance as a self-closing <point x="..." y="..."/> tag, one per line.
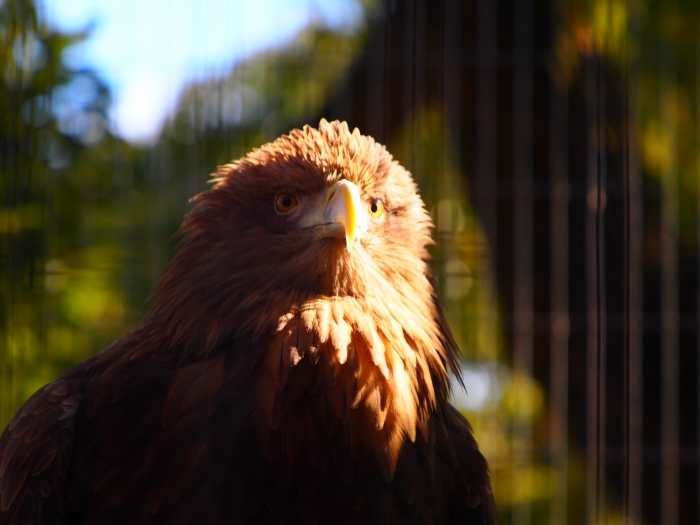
<point x="556" y="147"/>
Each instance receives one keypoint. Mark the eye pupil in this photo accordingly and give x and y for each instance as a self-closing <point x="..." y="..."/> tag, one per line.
<point x="374" y="207"/>
<point x="287" y="201"/>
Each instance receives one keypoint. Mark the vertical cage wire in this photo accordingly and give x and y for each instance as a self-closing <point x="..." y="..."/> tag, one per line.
<point x="419" y="67"/>
<point x="451" y="101"/>
<point x="487" y="66"/>
<point x="452" y="96"/>
<point x="375" y="81"/>
<point x="633" y="362"/>
<point x="559" y="293"/>
<point x="668" y="105"/>
<point x="486" y="120"/>
<point x="408" y="81"/>
<point x="601" y="198"/>
<point x="596" y="200"/>
<point x="523" y="241"/>
<point x="697" y="241"/>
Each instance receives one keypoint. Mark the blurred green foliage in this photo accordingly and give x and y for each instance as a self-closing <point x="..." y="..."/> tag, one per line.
<point x="71" y="211"/>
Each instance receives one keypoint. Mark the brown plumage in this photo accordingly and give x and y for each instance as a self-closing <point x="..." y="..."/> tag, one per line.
<point x="292" y="367"/>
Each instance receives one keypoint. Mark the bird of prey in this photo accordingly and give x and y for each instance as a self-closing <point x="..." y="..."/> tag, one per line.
<point x="292" y="367"/>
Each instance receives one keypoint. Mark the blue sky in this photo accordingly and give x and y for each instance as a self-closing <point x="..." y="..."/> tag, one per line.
<point x="148" y="49"/>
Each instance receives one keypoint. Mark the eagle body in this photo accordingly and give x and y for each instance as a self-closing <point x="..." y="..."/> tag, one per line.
<point x="292" y="367"/>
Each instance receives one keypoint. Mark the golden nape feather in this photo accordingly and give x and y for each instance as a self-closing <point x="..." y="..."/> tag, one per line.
<point x="293" y="366"/>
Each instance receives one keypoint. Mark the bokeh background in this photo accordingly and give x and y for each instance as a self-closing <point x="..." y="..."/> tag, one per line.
<point x="555" y="142"/>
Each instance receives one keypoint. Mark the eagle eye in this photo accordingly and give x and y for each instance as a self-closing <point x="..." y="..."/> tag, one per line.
<point x="284" y="203"/>
<point x="376" y="208"/>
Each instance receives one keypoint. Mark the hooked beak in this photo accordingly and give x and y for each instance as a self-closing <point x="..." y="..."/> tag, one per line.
<point x="340" y="213"/>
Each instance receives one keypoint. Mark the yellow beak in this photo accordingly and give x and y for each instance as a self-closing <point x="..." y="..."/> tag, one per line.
<point x="340" y="213"/>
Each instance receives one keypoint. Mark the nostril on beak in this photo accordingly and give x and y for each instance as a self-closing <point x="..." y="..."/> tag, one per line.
<point x="330" y="193"/>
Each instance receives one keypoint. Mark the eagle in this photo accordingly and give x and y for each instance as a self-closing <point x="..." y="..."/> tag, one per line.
<point x="292" y="366"/>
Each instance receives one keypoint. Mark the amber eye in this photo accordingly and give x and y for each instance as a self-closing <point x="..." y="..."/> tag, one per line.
<point x="376" y="209"/>
<point x="284" y="202"/>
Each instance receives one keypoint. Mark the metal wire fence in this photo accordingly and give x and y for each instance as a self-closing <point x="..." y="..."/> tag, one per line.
<point x="556" y="146"/>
